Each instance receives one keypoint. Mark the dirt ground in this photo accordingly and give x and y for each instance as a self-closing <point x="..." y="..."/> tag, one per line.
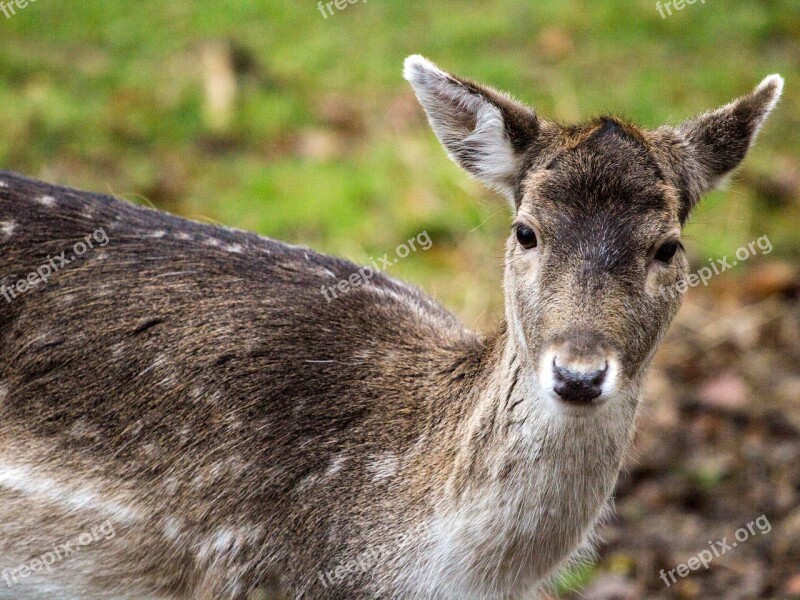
<point x="718" y="448"/>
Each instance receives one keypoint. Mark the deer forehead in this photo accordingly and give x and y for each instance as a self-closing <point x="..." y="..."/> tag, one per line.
<point x="604" y="180"/>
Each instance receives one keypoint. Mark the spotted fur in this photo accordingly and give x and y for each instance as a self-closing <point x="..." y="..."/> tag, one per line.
<point x="192" y="386"/>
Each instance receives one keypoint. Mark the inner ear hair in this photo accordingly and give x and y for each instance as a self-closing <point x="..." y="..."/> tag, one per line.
<point x="484" y="131"/>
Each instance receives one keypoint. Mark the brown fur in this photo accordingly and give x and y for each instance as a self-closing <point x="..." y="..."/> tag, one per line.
<point x="192" y="385"/>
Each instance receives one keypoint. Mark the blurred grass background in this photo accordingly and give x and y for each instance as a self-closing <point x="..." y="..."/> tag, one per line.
<point x="265" y="115"/>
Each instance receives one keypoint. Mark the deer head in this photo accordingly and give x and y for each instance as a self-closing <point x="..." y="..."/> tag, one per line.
<point x="598" y="210"/>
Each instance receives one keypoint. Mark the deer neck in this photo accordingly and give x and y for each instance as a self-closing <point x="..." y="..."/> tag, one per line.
<point x="528" y="483"/>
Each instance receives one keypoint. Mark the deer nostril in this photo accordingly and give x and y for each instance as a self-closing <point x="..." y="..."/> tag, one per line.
<point x="579" y="387"/>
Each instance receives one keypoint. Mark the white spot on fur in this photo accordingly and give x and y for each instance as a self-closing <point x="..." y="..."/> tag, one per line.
<point x="8" y="227"/>
<point x="3" y="184"/>
<point x="389" y="293"/>
<point x="82" y="429"/>
<point x="172" y="528"/>
<point x="228" y="540"/>
<point x="155" y="234"/>
<point x="235" y="248"/>
<point x="198" y="481"/>
<point x="172" y="485"/>
<point x="223" y="539"/>
<point x="307" y="483"/>
<point x="336" y="465"/>
<point x="216" y="471"/>
<point x="384" y="466"/>
<point x="197" y="393"/>
<point x="104" y="291"/>
<point x="47" y="201"/>
<point x="26" y="481"/>
<point x="236" y="466"/>
<point x="182" y="235"/>
<point x="151" y="450"/>
<point x="212" y="242"/>
<point x="137" y="428"/>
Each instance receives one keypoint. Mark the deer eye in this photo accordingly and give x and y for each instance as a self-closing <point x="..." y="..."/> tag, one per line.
<point x="526" y="236"/>
<point x="667" y="250"/>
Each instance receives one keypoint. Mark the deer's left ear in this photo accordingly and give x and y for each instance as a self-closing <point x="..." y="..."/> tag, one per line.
<point x="485" y="132"/>
<point x="714" y="143"/>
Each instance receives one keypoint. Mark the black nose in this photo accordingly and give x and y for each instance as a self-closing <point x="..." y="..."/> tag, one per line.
<point x="578" y="387"/>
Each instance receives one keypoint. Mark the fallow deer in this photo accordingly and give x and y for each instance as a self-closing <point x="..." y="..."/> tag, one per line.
<point x="187" y="389"/>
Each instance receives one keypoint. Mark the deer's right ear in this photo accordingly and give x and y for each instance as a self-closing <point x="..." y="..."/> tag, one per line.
<point x="485" y="132"/>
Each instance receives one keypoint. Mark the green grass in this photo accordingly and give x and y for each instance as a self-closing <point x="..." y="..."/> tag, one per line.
<point x="574" y="578"/>
<point x="109" y="96"/>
